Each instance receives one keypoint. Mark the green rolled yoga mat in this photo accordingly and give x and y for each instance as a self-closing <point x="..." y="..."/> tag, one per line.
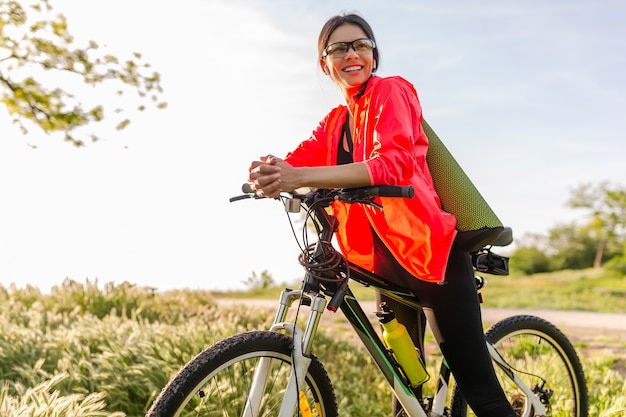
<point x="477" y="224"/>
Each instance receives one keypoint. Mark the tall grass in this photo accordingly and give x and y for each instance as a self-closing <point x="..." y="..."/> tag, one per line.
<point x="85" y="350"/>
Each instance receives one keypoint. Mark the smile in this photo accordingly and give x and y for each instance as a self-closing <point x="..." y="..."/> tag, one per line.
<point x="353" y="68"/>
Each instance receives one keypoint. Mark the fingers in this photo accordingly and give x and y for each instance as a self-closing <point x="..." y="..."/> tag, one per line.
<point x="265" y="178"/>
<point x="267" y="186"/>
<point x="271" y="190"/>
<point x="263" y="168"/>
<point x="264" y="181"/>
<point x="270" y="159"/>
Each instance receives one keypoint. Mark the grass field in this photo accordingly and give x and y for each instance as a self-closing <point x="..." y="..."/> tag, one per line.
<point x="91" y="350"/>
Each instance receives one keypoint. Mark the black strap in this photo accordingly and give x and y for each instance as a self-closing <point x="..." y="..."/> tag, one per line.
<point x="343" y="156"/>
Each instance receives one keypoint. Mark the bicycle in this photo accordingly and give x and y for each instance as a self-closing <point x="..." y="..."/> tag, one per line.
<point x="276" y="373"/>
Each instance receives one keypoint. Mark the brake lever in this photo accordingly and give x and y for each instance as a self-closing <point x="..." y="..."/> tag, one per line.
<point x="373" y="204"/>
<point x="240" y="197"/>
<point x="244" y="197"/>
<point x="359" y="199"/>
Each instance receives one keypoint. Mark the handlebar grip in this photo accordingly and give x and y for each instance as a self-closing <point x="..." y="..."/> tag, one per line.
<point x="248" y="192"/>
<point x="392" y="191"/>
<point x="247" y="188"/>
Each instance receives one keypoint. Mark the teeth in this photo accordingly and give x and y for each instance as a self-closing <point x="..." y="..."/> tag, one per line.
<point x="350" y="69"/>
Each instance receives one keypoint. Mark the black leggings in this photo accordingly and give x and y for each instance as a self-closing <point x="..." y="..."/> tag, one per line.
<point x="453" y="313"/>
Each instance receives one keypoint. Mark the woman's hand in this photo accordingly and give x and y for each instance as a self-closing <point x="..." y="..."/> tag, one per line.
<point x="269" y="176"/>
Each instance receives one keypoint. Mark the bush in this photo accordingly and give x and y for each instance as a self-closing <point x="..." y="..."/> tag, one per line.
<point x="529" y="260"/>
<point x="617" y="264"/>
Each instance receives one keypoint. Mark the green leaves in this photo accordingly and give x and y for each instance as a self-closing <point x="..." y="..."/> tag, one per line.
<point x="46" y="46"/>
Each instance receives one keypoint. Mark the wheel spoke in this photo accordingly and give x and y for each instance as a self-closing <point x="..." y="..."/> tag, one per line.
<point x="219" y="382"/>
<point x="540" y="366"/>
<point x="544" y="360"/>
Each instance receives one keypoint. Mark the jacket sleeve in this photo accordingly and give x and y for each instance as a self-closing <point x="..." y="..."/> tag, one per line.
<point x="320" y="148"/>
<point x="399" y="144"/>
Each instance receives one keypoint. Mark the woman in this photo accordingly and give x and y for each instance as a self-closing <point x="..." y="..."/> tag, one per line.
<point x="377" y="139"/>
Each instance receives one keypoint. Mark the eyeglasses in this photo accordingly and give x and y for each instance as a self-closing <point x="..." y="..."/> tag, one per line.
<point x="340" y="49"/>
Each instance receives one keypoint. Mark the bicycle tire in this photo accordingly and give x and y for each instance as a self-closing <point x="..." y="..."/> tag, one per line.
<point x="537" y="350"/>
<point x="216" y="381"/>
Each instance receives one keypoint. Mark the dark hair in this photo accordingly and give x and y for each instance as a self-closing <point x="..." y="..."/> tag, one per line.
<point x="339" y="20"/>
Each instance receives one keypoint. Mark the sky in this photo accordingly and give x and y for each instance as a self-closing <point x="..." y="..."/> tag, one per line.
<point x="530" y="98"/>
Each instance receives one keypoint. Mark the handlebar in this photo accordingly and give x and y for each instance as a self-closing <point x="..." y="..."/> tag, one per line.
<point x="247" y="188"/>
<point x="326" y="268"/>
<point x="347" y="195"/>
<point x="392" y="191"/>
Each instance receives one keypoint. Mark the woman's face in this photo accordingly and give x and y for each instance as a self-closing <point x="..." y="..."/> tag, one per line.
<point x="350" y="70"/>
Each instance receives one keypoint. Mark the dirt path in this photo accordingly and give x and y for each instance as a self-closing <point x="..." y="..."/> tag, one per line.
<point x="572" y="323"/>
<point x="590" y="332"/>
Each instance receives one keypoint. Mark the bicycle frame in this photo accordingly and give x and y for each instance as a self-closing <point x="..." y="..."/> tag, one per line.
<point x="354" y="314"/>
<point x="312" y="295"/>
<point x="367" y="334"/>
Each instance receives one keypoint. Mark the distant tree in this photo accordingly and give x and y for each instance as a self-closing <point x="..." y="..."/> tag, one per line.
<point x="259" y="282"/>
<point x="533" y="254"/>
<point x="618" y="263"/>
<point x="572" y="247"/>
<point x="606" y="207"/>
<point x="530" y="260"/>
<point x="34" y="41"/>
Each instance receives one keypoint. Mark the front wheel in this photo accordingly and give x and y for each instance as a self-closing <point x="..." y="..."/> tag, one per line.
<point x="218" y="381"/>
<point x="544" y="359"/>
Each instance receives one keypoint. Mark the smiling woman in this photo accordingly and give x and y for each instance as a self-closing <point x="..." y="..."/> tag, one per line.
<point x="348" y="54"/>
<point x="377" y="138"/>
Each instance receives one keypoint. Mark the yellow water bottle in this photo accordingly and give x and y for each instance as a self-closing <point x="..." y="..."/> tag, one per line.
<point x="399" y="342"/>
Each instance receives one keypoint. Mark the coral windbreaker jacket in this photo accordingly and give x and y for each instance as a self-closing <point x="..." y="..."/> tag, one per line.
<point x="389" y="139"/>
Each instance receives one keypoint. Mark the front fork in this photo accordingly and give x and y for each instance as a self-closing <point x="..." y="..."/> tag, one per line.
<point x="302" y="345"/>
<point x="317" y="304"/>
